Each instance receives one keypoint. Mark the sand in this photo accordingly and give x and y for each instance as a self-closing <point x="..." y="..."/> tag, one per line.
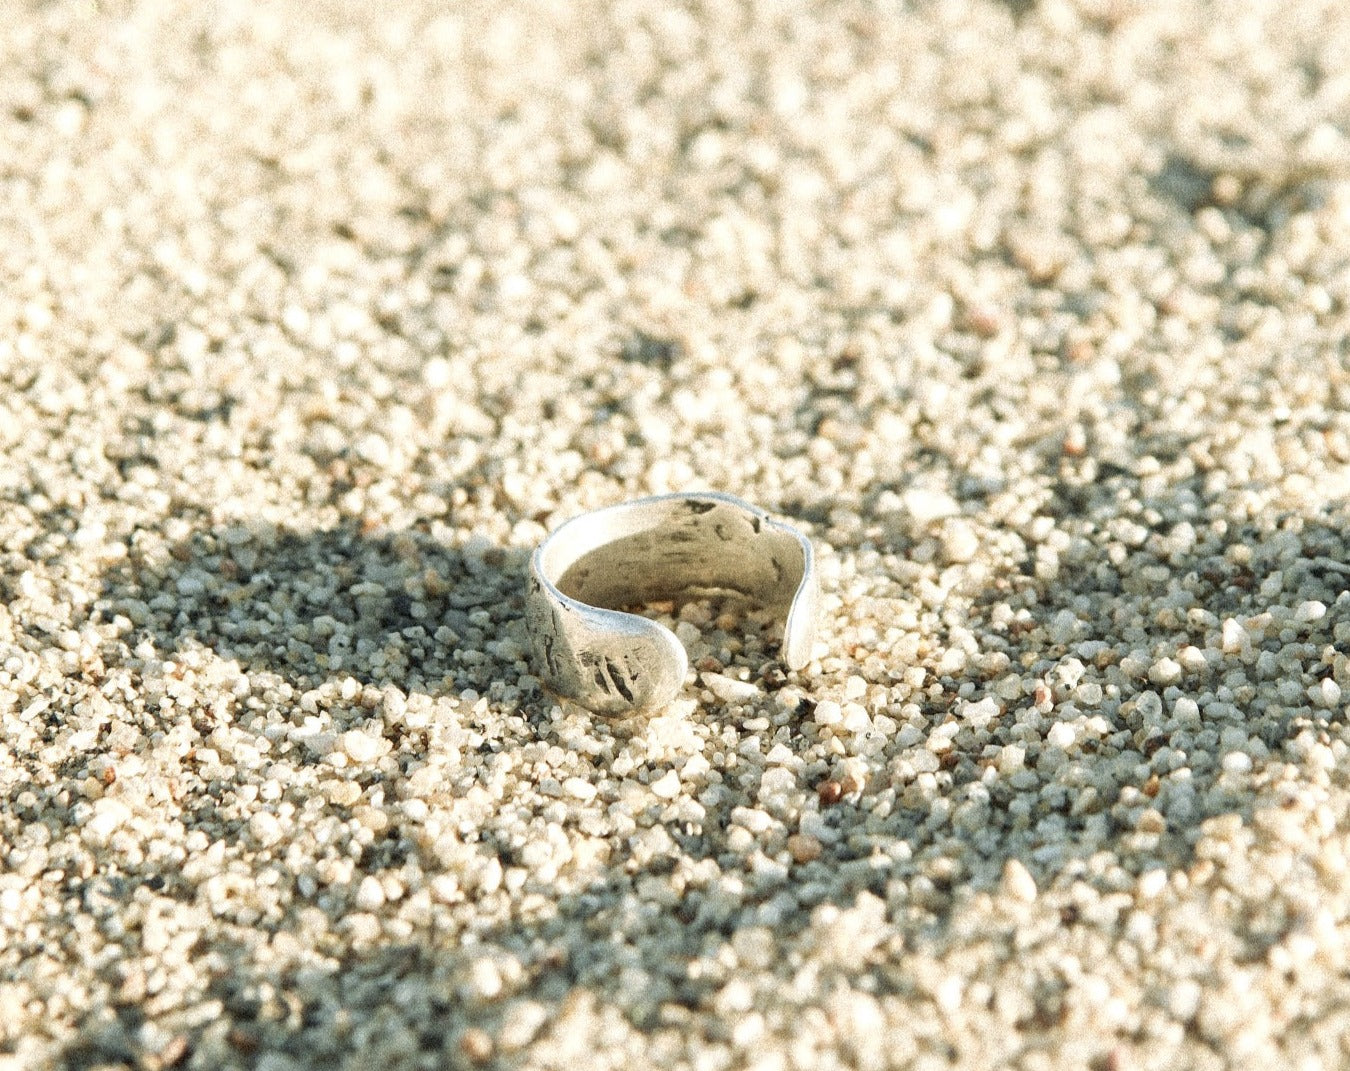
<point x="316" y="317"/>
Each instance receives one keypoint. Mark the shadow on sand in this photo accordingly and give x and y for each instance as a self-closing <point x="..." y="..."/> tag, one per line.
<point x="648" y="929"/>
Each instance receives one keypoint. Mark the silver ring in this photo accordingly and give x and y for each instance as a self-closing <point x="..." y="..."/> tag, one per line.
<point x="615" y="663"/>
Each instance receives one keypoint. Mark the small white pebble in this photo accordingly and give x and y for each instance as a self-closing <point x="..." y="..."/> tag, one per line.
<point x="1018" y="882"/>
<point x="1184" y="999"/>
<point x="265" y="828"/>
<point x="728" y="689"/>
<point x="579" y="788"/>
<point x="778" y="755"/>
<point x="1237" y="762"/>
<point x="485" y="979"/>
<point x="949" y="992"/>
<point x="1309" y="611"/>
<point x="828" y="712"/>
<point x="437" y="373"/>
<point x="960" y="544"/>
<point x="1192" y="659"/>
<point x="1326" y="693"/>
<point x="109" y="815"/>
<point x="523" y="1020"/>
<point x="1165" y="671"/>
<point x="1186" y="711"/>
<point x="924" y="505"/>
<point x="753" y="819"/>
<point x="369" y="894"/>
<point x="855" y="718"/>
<point x="1152" y="883"/>
<point x="981" y="713"/>
<point x="666" y="787"/>
<point x="695" y="766"/>
<point x="361" y="746"/>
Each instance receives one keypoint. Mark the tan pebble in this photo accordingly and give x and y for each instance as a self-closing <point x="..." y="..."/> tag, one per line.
<point x="175" y="1052"/>
<point x="1151" y="821"/>
<point x="1226" y="189"/>
<point x="984" y="320"/>
<point x="830" y="791"/>
<point x="476" y="1044"/>
<point x="804" y="848"/>
<point x="342" y="793"/>
<point x="243" y="1039"/>
<point x="1078" y="350"/>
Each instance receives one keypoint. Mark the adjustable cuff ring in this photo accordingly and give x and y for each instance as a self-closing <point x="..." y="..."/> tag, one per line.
<point x="651" y="549"/>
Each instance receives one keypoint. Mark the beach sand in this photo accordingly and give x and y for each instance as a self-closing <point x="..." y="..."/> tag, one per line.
<point x="315" y="317"/>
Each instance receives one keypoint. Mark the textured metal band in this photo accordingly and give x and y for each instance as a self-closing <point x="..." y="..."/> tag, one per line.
<point x="616" y="663"/>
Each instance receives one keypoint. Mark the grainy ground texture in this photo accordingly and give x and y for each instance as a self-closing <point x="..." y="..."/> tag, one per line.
<point x="316" y="316"/>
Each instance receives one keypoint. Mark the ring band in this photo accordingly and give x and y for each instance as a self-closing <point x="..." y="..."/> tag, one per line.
<point x="616" y="663"/>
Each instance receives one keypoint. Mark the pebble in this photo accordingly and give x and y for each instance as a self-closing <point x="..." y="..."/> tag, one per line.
<point x="925" y="505"/>
<point x="804" y="848"/>
<point x="960" y="544"/>
<point x="109" y="815"/>
<point x="1152" y="883"/>
<point x="370" y="894"/>
<point x="1325" y="694"/>
<point x="1018" y="882"/>
<point x="828" y="713"/>
<point x="1310" y="611"/>
<point x="728" y="689"/>
<point x="362" y="746"/>
<point x="265" y="828"/>
<point x="476" y="1045"/>
<point x="854" y="718"/>
<point x="579" y="788"/>
<point x="1165" y="671"/>
<point x="667" y="786"/>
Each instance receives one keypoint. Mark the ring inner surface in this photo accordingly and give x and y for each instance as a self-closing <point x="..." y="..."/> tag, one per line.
<point x="659" y="551"/>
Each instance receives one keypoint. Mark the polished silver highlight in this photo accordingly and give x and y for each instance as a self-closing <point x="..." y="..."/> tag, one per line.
<point x="617" y="663"/>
